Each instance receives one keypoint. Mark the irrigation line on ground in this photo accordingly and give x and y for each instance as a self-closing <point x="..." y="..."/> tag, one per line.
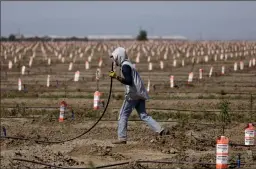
<point x="92" y="75"/>
<point x="240" y="145"/>
<point x="107" y="120"/>
<point x="143" y="73"/>
<point x="125" y="163"/>
<point x="230" y="143"/>
<point x="160" y="92"/>
<point x="39" y="163"/>
<point x="227" y="62"/>
<point x="148" y="108"/>
<point x="142" y="65"/>
<point x="91" y="79"/>
<point x="191" y="110"/>
<point x="220" y="83"/>
<point x="80" y="135"/>
<point x="49" y="165"/>
<point x="88" y="97"/>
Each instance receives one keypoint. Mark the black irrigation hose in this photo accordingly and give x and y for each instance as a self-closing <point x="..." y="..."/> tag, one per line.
<point x="125" y="163"/>
<point x="136" y="120"/>
<point x="88" y="130"/>
<point x="37" y="162"/>
<point x="184" y="162"/>
<point x="148" y="108"/>
<point x="230" y="143"/>
<point x="113" y="165"/>
<point x="50" y="165"/>
<point x="174" y="162"/>
<point x="160" y="92"/>
<point x="240" y="145"/>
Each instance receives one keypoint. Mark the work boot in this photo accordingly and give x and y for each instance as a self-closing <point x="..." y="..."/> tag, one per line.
<point x="119" y="142"/>
<point x="164" y="132"/>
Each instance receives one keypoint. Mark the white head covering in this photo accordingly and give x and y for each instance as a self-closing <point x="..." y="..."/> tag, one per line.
<point x="119" y="56"/>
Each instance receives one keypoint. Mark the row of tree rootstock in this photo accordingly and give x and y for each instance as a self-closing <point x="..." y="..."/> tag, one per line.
<point x="142" y="36"/>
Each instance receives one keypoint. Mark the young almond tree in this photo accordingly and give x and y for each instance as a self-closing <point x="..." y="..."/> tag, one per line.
<point x="224" y="115"/>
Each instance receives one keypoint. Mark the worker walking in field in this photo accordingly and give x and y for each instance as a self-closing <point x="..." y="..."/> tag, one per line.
<point x="135" y="96"/>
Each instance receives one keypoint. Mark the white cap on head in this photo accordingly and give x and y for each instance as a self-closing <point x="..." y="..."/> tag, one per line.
<point x="119" y="56"/>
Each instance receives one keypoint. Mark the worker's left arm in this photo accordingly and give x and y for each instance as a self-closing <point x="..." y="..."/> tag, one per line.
<point x="127" y="73"/>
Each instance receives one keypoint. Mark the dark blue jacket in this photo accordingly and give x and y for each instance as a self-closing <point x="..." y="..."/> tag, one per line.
<point x="127" y="72"/>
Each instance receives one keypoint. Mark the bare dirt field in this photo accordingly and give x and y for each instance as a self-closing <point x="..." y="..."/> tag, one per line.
<point x="192" y="111"/>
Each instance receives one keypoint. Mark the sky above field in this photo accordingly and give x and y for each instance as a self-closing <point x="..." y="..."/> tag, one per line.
<point x="194" y="20"/>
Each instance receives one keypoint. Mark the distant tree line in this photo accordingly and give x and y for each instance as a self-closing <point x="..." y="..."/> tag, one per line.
<point x="13" y="38"/>
<point x="142" y="36"/>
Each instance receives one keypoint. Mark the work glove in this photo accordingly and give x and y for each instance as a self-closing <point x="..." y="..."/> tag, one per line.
<point x="112" y="74"/>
